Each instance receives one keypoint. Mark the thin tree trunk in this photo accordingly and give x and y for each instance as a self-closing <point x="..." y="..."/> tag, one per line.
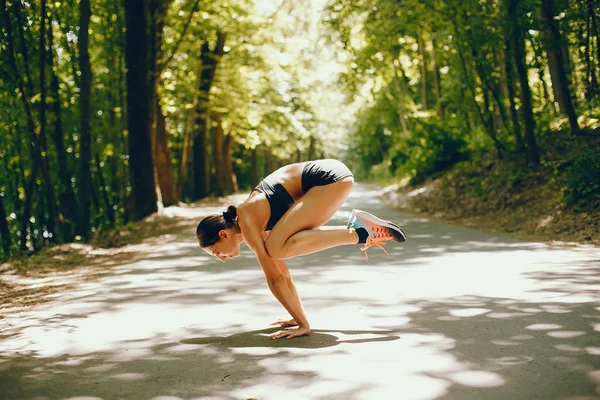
<point x="24" y="49"/>
<point x="4" y="230"/>
<point x="183" y="166"/>
<point x="36" y="159"/>
<point x="547" y="99"/>
<point x="254" y="165"/>
<point x="85" y="140"/>
<point x="230" y="178"/>
<point x="510" y="88"/>
<point x="123" y="170"/>
<point x="269" y="165"/>
<point x="209" y="61"/>
<point x="162" y="161"/>
<point x="201" y="173"/>
<point x="592" y="87"/>
<point x="560" y="84"/>
<point x="67" y="200"/>
<point x="486" y="122"/>
<point x="437" y="84"/>
<point x="595" y="31"/>
<point x="163" y="168"/>
<point x="399" y="104"/>
<point x="423" y="54"/>
<point x="29" y="190"/>
<point x="139" y="109"/>
<point x="217" y="152"/>
<point x="113" y="157"/>
<point x="48" y="187"/>
<point x="110" y="212"/>
<point x="312" y="143"/>
<point x="533" y="155"/>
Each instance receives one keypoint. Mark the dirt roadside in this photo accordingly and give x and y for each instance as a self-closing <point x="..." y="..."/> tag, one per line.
<point x="38" y="278"/>
<point x="546" y="222"/>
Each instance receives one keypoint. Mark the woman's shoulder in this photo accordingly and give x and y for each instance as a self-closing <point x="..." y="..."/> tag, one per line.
<point x="255" y="209"/>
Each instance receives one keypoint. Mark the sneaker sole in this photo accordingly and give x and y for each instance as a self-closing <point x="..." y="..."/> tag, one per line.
<point x="370" y="217"/>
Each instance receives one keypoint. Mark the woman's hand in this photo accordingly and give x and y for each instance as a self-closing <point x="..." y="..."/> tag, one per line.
<point x="285" y="323"/>
<point x="291" y="333"/>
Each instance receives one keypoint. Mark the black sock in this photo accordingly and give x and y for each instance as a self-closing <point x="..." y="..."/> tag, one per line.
<point x="362" y="235"/>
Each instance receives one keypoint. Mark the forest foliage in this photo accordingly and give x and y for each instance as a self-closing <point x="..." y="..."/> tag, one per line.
<point x="112" y="110"/>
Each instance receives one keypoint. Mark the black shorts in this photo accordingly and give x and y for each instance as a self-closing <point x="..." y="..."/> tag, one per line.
<point x="314" y="173"/>
<point x="323" y="172"/>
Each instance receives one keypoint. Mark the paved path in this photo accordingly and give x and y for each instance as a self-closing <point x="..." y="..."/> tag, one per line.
<point x="451" y="314"/>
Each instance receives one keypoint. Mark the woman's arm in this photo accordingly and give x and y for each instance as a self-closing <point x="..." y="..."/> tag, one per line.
<point x="283" y="288"/>
<point x="278" y="278"/>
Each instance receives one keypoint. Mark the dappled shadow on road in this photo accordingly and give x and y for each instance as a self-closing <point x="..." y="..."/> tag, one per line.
<point x="319" y="338"/>
<point x="452" y="314"/>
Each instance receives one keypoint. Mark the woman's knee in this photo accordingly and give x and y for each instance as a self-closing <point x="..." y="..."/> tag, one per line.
<point x="274" y="247"/>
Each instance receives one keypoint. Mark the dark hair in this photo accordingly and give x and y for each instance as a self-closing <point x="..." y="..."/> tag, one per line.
<point x="208" y="229"/>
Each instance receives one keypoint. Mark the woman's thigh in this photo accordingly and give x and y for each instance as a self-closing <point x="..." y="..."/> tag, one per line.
<point x="311" y="211"/>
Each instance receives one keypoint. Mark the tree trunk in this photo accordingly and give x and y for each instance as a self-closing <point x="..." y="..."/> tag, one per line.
<point x="230" y="178"/>
<point x="109" y="212"/>
<point x="185" y="150"/>
<point x="162" y="160"/>
<point x="48" y="187"/>
<point x="254" y="167"/>
<point x="68" y="204"/>
<point x="312" y="143"/>
<point x="591" y="89"/>
<point x="595" y="33"/>
<point x="510" y="88"/>
<point x="470" y="86"/>
<point x="423" y="54"/>
<point x="517" y="38"/>
<point x="85" y="140"/>
<point x="208" y="61"/>
<point x="22" y="26"/>
<point x="437" y="85"/>
<point x="217" y="152"/>
<point x="201" y="178"/>
<point x="139" y="109"/>
<point x="546" y="98"/>
<point x="29" y="192"/>
<point x="114" y="135"/>
<point x="36" y="159"/>
<point x="269" y="165"/>
<point x="164" y="175"/>
<point x="560" y="83"/>
<point x="399" y="104"/>
<point x="4" y="231"/>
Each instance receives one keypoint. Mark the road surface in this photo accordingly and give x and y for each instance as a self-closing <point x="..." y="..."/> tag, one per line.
<point x="453" y="313"/>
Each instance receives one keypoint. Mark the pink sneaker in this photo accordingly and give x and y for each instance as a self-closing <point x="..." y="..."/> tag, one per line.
<point x="379" y="230"/>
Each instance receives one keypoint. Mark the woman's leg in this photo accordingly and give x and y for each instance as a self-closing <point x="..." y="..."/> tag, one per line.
<point x="297" y="231"/>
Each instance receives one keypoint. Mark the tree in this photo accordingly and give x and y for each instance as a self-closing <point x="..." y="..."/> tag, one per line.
<point x="533" y="155"/>
<point x="68" y="205"/>
<point x="209" y="59"/>
<point x="554" y="46"/>
<point x="85" y="146"/>
<point x="4" y="231"/>
<point x="139" y="103"/>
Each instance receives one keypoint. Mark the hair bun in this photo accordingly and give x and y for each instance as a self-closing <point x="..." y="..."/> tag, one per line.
<point x="230" y="214"/>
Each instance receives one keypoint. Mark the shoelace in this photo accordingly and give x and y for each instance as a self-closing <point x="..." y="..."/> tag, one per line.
<point x="380" y="236"/>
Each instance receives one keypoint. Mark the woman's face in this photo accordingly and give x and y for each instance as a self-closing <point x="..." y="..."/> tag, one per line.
<point x="227" y="247"/>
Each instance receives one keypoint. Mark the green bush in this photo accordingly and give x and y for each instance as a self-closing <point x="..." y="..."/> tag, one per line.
<point x="432" y="149"/>
<point x="583" y="180"/>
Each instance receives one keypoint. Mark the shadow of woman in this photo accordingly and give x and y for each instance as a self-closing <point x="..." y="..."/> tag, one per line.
<point x="316" y="340"/>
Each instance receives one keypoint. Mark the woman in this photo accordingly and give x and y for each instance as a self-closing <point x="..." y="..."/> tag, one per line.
<point x="293" y="203"/>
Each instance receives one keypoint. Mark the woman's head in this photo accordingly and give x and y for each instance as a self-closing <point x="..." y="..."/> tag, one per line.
<point x="219" y="236"/>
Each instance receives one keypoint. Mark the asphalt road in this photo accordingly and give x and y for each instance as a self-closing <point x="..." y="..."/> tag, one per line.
<point x="453" y="313"/>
